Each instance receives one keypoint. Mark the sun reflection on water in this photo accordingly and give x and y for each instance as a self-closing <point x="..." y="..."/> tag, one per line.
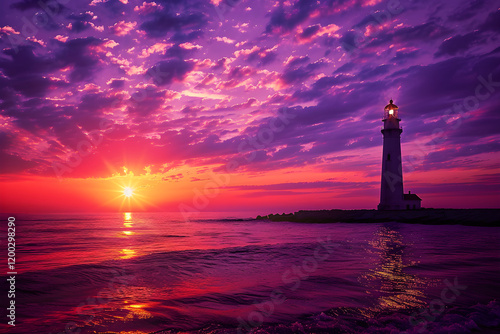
<point x="127" y="253"/>
<point x="127" y="216"/>
<point x="137" y="311"/>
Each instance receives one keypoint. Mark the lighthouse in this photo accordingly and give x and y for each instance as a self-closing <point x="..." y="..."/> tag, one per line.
<point x="391" y="186"/>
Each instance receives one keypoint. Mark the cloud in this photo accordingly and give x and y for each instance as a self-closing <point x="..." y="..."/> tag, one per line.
<point x="145" y="102"/>
<point x="469" y="11"/>
<point x="405" y="35"/>
<point x="492" y="22"/>
<point x="24" y="5"/>
<point x="261" y="55"/>
<point x="168" y="71"/>
<point x="8" y="30"/>
<point x="11" y="163"/>
<point x="298" y="75"/>
<point x="116" y="83"/>
<point x="26" y="71"/>
<point x="80" y="22"/>
<point x="165" y="21"/>
<point x="80" y="55"/>
<point x="310" y="33"/>
<point x="122" y="28"/>
<point x="224" y="39"/>
<point x="25" y="62"/>
<point x="147" y="8"/>
<point x="285" y="19"/>
<point x="155" y="48"/>
<point x="459" y="44"/>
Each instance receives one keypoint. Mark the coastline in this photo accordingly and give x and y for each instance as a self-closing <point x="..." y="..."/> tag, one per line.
<point x="469" y="217"/>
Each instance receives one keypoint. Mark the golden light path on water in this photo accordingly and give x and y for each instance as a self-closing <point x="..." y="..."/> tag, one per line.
<point x="127" y="253"/>
<point x="395" y="287"/>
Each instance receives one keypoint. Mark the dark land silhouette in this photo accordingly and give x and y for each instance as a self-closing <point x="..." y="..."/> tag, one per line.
<point x="471" y="217"/>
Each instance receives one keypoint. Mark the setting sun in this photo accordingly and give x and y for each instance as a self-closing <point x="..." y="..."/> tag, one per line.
<point x="128" y="192"/>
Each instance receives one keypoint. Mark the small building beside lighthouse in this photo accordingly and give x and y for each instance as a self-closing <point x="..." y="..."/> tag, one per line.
<point x="392" y="196"/>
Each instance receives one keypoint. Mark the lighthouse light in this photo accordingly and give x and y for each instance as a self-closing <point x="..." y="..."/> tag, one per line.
<point x="391" y="112"/>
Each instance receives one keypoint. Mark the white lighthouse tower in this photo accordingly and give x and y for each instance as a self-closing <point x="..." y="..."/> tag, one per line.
<point x="391" y="187"/>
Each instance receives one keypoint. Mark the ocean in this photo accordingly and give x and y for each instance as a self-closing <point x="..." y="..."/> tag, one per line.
<point x="228" y="273"/>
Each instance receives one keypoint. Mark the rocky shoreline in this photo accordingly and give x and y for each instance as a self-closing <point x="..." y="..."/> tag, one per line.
<point x="471" y="217"/>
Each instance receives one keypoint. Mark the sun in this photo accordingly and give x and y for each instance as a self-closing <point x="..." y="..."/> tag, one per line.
<point x="128" y="192"/>
<point x="131" y="195"/>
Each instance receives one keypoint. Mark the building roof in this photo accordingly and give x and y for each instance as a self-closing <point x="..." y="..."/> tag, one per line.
<point x="391" y="106"/>
<point x="411" y="197"/>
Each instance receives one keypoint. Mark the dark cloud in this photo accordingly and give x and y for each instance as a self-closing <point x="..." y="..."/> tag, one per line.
<point x="292" y="185"/>
<point x="443" y="157"/>
<point x="459" y="44"/>
<point x="26" y="71"/>
<point x="346" y="68"/>
<point x="285" y="19"/>
<point x="77" y="53"/>
<point x="177" y="51"/>
<point x="492" y="22"/>
<point x="261" y="55"/>
<point x="293" y="74"/>
<point x="31" y="85"/>
<point x="117" y="83"/>
<point x="144" y="103"/>
<point x="178" y="17"/>
<point x="325" y="83"/>
<point x="115" y="7"/>
<point x="80" y="22"/>
<point x="180" y="37"/>
<point x="402" y="57"/>
<point x="192" y="109"/>
<point x="422" y="34"/>
<point x="432" y="89"/>
<point x="220" y="64"/>
<point x="24" y="62"/>
<point x="50" y="5"/>
<point x="309" y="31"/>
<point x="167" y="71"/>
<point x="95" y="102"/>
<point x="46" y="16"/>
<point x="469" y="11"/>
<point x="350" y="40"/>
<point x="11" y="163"/>
<point x="239" y="72"/>
<point x="298" y="61"/>
<point x="370" y="72"/>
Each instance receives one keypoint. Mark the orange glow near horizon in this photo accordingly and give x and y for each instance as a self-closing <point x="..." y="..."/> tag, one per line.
<point x="324" y="186"/>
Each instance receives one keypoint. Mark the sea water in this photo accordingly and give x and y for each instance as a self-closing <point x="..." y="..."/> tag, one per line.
<point x="228" y="273"/>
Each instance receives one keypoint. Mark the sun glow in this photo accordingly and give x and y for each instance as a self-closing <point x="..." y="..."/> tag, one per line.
<point x="128" y="192"/>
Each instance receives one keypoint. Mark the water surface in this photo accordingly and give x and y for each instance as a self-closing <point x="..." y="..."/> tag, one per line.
<point x="149" y="272"/>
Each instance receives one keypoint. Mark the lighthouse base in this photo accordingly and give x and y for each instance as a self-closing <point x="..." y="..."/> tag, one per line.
<point x="410" y="202"/>
<point x="391" y="207"/>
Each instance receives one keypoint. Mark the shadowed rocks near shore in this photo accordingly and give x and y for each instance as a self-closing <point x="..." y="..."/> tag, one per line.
<point x="472" y="217"/>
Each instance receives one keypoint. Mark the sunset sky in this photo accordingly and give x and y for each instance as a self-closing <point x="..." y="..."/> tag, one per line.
<point x="226" y="105"/>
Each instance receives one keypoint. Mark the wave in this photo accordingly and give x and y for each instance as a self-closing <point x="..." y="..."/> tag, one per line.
<point x="484" y="318"/>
